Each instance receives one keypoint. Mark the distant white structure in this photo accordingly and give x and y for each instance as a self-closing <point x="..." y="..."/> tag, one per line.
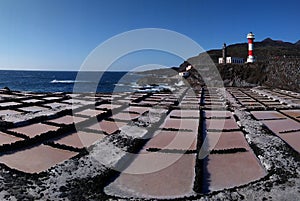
<point x="184" y="74"/>
<point x="189" y="67"/>
<point x="250" y="37"/>
<point x="231" y="60"/>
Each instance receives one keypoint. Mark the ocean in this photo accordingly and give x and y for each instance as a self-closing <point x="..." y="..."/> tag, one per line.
<point x="58" y="81"/>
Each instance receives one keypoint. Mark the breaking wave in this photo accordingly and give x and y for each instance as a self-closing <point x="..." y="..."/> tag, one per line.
<point x="69" y="81"/>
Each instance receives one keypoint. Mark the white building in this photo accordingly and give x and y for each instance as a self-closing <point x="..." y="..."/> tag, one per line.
<point x="189" y="67"/>
<point x="184" y="74"/>
<point x="231" y="60"/>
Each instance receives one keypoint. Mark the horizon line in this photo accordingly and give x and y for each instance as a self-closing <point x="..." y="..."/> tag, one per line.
<point x="55" y="70"/>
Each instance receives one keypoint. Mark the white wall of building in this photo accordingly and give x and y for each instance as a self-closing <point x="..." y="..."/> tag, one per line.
<point x="232" y="60"/>
<point x="184" y="74"/>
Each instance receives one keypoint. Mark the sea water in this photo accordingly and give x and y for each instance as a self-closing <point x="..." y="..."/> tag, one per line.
<point x="59" y="81"/>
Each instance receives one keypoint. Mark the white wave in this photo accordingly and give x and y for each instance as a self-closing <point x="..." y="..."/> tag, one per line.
<point x="68" y="81"/>
<point x="180" y="83"/>
<point x="120" y="85"/>
<point x="63" y="81"/>
<point x="154" y="89"/>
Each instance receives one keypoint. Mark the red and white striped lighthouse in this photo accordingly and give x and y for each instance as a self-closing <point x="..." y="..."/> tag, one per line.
<point x="251" y="38"/>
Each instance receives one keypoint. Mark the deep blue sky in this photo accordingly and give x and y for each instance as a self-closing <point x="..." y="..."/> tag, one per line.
<point x="59" y="34"/>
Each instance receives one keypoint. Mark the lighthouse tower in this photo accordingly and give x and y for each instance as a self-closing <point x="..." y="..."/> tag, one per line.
<point x="251" y="38"/>
<point x="224" y="53"/>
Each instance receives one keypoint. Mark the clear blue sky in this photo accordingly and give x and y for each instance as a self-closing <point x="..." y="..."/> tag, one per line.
<point x="59" y="34"/>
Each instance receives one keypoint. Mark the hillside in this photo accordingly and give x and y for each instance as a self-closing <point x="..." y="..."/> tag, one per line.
<point x="263" y="50"/>
<point x="278" y="65"/>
